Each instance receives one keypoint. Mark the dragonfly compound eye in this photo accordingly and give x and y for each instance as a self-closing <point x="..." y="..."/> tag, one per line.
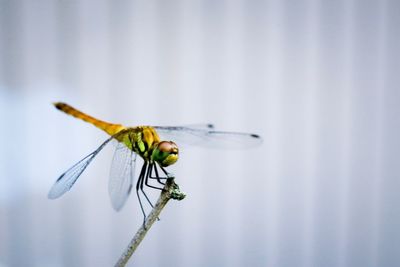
<point x="166" y="153"/>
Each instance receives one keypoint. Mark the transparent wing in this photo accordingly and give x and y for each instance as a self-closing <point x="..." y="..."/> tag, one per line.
<point x="121" y="175"/>
<point x="205" y="126"/>
<point x="68" y="178"/>
<point x="208" y="137"/>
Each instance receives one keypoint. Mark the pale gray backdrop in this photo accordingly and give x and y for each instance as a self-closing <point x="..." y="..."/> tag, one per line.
<point x="319" y="80"/>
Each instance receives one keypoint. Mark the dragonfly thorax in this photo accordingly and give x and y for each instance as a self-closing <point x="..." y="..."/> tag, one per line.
<point x="145" y="141"/>
<point x="165" y="153"/>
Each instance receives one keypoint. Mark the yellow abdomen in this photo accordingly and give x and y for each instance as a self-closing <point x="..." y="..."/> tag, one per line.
<point x="109" y="128"/>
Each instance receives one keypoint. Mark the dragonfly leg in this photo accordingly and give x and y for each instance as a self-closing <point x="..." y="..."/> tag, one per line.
<point x="169" y="175"/>
<point x="139" y="181"/>
<point x="146" y="182"/>
<point x="144" y="179"/>
<point x="157" y="177"/>
<point x="149" y="176"/>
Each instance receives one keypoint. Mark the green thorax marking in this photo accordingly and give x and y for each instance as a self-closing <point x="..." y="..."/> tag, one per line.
<point x="141" y="140"/>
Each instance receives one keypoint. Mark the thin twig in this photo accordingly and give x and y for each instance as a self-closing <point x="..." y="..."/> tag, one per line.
<point x="170" y="190"/>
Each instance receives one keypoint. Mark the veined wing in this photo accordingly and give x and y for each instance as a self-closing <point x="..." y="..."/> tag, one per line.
<point x="204" y="126"/>
<point x="68" y="178"/>
<point x="121" y="175"/>
<point x="208" y="137"/>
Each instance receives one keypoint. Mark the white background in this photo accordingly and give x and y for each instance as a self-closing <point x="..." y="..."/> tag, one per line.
<point x="318" y="80"/>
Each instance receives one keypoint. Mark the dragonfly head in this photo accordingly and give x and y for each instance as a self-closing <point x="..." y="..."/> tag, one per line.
<point x="165" y="153"/>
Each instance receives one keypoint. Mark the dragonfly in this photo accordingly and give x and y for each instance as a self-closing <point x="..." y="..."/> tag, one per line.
<point x="145" y="142"/>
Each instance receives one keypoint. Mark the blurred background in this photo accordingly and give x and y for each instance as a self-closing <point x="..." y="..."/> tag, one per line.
<point x="318" y="80"/>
